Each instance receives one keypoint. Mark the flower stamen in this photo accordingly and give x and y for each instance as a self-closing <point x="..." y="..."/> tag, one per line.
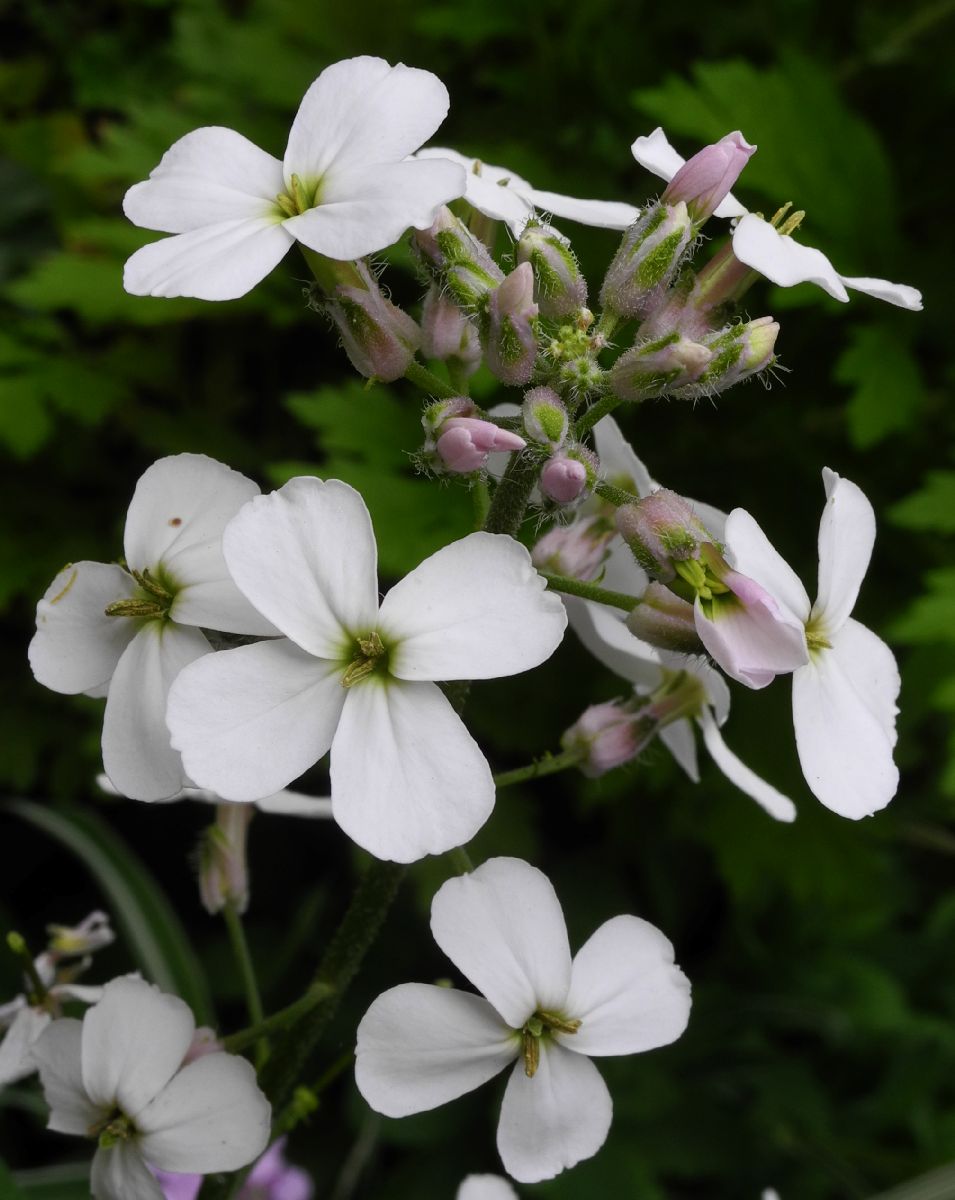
<point x="371" y="649"/>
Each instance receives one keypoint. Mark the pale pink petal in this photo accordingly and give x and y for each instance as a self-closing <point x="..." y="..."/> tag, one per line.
<point x="305" y="556"/>
<point x="655" y="153"/>
<point x="368" y="207"/>
<point x="626" y="991"/>
<point x="420" y="1046"/>
<point x="215" y="262"/>
<point x="502" y="926"/>
<point x="120" y="1173"/>
<point x="765" y="795"/>
<point x="250" y="720"/>
<point x="753" y="638"/>
<point x="554" y="1119"/>
<point x="899" y="294"/>
<point x="16" y="1049"/>
<point x="602" y="214"/>
<point x="134" y="1041"/>
<point x="407" y="777"/>
<point x="752" y="553"/>
<point x="363" y="111"/>
<point x="137" y="755"/>
<point x="476" y="609"/>
<point x="209" y="176"/>
<point x="76" y="646"/>
<point x="846" y="538"/>
<point x="783" y="260"/>
<point x="210" y="1117"/>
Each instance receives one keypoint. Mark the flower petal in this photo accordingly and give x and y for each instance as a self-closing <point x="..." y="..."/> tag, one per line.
<point x="134" y="1041"/>
<point x="500" y="202"/>
<point x="846" y="538"/>
<point x="76" y="646"/>
<point x="16" y="1049"/>
<point x="626" y="991"/>
<point x="753" y="638"/>
<point x="363" y="111"/>
<point x="899" y="294"/>
<point x="420" y="1046"/>
<point x="611" y="643"/>
<point x="844" y="748"/>
<point x="215" y="262"/>
<point x="250" y="720"/>
<point x="58" y="1056"/>
<point x="137" y="755"/>
<point x="407" y="777"/>
<point x="485" y="1187"/>
<point x="502" y="926"/>
<point x="209" y="176"/>
<point x="555" y="1119"/>
<point x="366" y="208"/>
<point x="680" y="740"/>
<point x="305" y="556"/>
<point x="211" y="1116"/>
<point x="477" y="609"/>
<point x="602" y="214"/>
<point x="783" y="260"/>
<point x="119" y="1173"/>
<point x="295" y="804"/>
<point x="619" y="463"/>
<point x="655" y="153"/>
<point x="752" y="553"/>
<point x="765" y="795"/>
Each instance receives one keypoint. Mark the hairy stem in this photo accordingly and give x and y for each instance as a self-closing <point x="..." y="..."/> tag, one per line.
<point x="590" y="591"/>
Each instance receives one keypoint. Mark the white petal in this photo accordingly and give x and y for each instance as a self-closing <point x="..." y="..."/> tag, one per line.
<point x="216" y="262"/>
<point x="765" y="795"/>
<point x="407" y="777"/>
<point x="899" y="294"/>
<point x="365" y="209"/>
<point x="680" y="740"/>
<point x="871" y="668"/>
<point x="477" y="609"/>
<point x="208" y="176"/>
<point x="306" y="558"/>
<point x="295" y="804"/>
<point x="622" y="573"/>
<point x="611" y="643"/>
<point x="250" y="720"/>
<point x="502" y="926"/>
<point x="555" y="1119"/>
<point x="363" y="111"/>
<point x="210" y="1117"/>
<point x="844" y="749"/>
<point x="420" y="1046"/>
<point x="752" y="553"/>
<point x="783" y="260"/>
<point x="76" y="646"/>
<point x="602" y="214"/>
<point x="656" y="154"/>
<point x="58" y="1055"/>
<point x="485" y="1187"/>
<point x="137" y="755"/>
<point x="626" y="991"/>
<point x="619" y="463"/>
<point x="846" y="538"/>
<point x="119" y="1173"/>
<point x="134" y="1041"/>
<point x="753" y="643"/>
<point x="16" y="1049"/>
<point x="497" y="201"/>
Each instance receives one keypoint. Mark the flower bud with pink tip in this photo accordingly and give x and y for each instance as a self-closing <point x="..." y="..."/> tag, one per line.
<point x="511" y="327"/>
<point x="561" y="288"/>
<point x="569" y="475"/>
<point x="577" y="550"/>
<point x="662" y="529"/>
<point x="378" y="337"/>
<point x="737" y="353"/>
<point x="705" y="180"/>
<point x="465" y="442"/>
<point x="459" y="261"/>
<point x="665" y="620"/>
<point x="609" y="735"/>
<point x="652" y="251"/>
<point x="447" y="333"/>
<point x="657" y="366"/>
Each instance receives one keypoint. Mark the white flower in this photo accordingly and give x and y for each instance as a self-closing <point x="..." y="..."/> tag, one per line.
<point x="485" y="1187"/>
<point x="126" y="632"/>
<point x="420" y="1046"/>
<point x="117" y="1076"/>
<point x="844" y="699"/>
<point x="503" y="195"/>
<point x="356" y="677"/>
<point x="285" y="803"/>
<point x="345" y="189"/>
<point x="759" y="245"/>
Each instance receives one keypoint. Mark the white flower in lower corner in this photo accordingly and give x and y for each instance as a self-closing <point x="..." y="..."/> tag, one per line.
<point x="356" y="676"/>
<point x="125" y="632"/>
<point x="118" y="1076"/>
<point x="420" y="1046"/>
<point x="844" y="698"/>
<point x="485" y="1187"/>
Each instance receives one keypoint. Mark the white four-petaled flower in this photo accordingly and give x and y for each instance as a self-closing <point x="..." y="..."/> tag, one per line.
<point x="345" y="189"/>
<point x="356" y="676"/>
<point x="420" y="1046"/>
<point x="118" y="1076"/>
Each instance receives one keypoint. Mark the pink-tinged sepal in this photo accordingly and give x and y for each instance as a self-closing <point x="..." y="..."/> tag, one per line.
<point x="560" y="288"/>
<point x="649" y="256"/>
<point x="705" y="180"/>
<point x="511" y="327"/>
<point x="379" y="338"/>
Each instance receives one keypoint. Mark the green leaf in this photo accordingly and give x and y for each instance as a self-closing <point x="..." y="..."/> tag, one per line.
<point x="932" y="617"/>
<point x="931" y="508"/>
<point x="9" y="1188"/>
<point x="65" y="1181"/>
<point x="887" y="386"/>
<point x="155" y="934"/>
<point x="24" y="421"/>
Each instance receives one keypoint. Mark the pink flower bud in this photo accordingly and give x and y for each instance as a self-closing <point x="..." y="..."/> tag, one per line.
<point x="511" y="336"/>
<point x="664" y="620"/>
<point x="545" y="417"/>
<point x="704" y="181"/>
<point x="561" y="288"/>
<point x="223" y="869"/>
<point x="609" y="735"/>
<point x="649" y="256"/>
<point x="379" y="338"/>
<point x="465" y="442"/>
<point x="739" y="351"/>
<point x="653" y="368"/>
<point x="661" y="529"/>
<point x="447" y="333"/>
<point x="458" y="260"/>
<point x="577" y="550"/>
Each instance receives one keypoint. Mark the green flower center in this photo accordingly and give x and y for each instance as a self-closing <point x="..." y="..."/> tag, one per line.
<point x="154" y="599"/>
<point x="542" y="1024"/>
<point x="299" y="198"/>
<point x="369" y="656"/>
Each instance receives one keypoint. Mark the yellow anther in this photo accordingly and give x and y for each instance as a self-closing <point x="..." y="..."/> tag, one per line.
<point x="370" y="650"/>
<point x="531" y="1053"/>
<point x="134" y="608"/>
<point x="792" y="223"/>
<point x="780" y="213"/>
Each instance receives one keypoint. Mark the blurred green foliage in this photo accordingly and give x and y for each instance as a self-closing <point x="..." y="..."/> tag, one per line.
<point x="821" y="1054"/>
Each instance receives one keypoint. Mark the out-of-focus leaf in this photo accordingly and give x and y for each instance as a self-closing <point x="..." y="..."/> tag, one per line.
<point x="155" y="934"/>
<point x="24" y="421"/>
<point x="65" y="1181"/>
<point x="932" y="617"/>
<point x="932" y="507"/>
<point x="9" y="1188"/>
<point x="887" y="391"/>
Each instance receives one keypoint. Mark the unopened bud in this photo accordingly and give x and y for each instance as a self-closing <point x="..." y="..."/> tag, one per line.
<point x="379" y="338"/>
<point x="654" y="367"/>
<point x="704" y="181"/>
<point x="511" y="337"/>
<point x="92" y="933"/>
<point x="447" y="333"/>
<point x="435" y="415"/>
<point x="577" y="550"/>
<point x="465" y="442"/>
<point x="649" y="256"/>
<point x="560" y="287"/>
<point x="545" y="417"/>
<point x="570" y="475"/>
<point x="223" y="869"/>
<point x="458" y="260"/>
<point x="609" y="735"/>
<point x="664" y="620"/>
<point x="738" y="352"/>
<point x="661" y="529"/>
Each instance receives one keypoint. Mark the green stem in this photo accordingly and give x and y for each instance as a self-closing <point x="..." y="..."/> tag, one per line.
<point x="593" y="414"/>
<point x="482" y="502"/>
<point x="511" y="495"/>
<point x="277" y="1021"/>
<point x="429" y="382"/>
<point x="590" y="591"/>
<point x="461" y="860"/>
<point x="615" y="495"/>
<point x="240" y="949"/>
<point x="550" y="764"/>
